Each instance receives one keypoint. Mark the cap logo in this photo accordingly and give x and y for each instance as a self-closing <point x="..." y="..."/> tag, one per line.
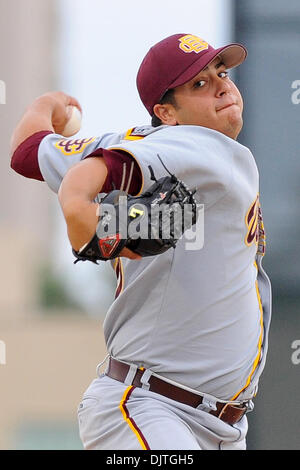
<point x="190" y="43"/>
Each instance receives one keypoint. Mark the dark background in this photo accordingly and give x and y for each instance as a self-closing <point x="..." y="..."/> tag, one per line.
<point x="271" y="32"/>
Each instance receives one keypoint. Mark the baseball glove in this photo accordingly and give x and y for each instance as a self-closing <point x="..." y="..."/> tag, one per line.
<point x="148" y="224"/>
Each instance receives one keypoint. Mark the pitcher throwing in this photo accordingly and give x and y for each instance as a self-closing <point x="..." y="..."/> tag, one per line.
<point x="187" y="333"/>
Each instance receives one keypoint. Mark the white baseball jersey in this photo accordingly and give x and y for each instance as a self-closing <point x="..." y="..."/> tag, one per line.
<point x="199" y="317"/>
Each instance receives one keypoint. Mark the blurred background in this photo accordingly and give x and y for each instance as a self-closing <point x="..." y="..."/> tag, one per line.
<point x="51" y="312"/>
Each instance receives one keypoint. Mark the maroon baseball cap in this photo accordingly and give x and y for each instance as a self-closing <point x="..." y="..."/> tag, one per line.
<point x="177" y="59"/>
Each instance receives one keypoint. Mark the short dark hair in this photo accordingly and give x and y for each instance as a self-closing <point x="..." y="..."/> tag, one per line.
<point x="168" y="98"/>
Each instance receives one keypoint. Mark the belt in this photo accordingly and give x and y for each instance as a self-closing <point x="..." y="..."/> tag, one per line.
<point x="226" y="412"/>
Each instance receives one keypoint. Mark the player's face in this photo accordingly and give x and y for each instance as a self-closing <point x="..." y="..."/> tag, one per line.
<point x="210" y="100"/>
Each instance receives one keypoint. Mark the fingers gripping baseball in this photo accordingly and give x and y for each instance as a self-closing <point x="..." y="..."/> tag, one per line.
<point x="62" y="107"/>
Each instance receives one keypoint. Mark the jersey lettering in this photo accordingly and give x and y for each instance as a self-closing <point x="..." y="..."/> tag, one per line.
<point x="118" y="267"/>
<point x="261" y="249"/>
<point x="72" y="147"/>
<point x="252" y="223"/>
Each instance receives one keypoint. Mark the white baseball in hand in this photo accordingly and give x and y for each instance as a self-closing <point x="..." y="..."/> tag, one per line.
<point x="74" y="123"/>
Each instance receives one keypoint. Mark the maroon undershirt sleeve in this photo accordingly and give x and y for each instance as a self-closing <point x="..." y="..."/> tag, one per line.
<point x="115" y="161"/>
<point x="25" y="162"/>
<point x="25" y="158"/>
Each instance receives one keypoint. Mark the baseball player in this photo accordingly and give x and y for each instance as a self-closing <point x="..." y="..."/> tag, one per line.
<point x="187" y="333"/>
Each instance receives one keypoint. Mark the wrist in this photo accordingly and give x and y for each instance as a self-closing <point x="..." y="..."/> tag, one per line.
<point x="44" y="104"/>
<point x="81" y="218"/>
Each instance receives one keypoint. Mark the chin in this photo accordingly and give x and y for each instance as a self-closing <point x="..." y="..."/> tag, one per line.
<point x="239" y="127"/>
<point x="235" y="124"/>
<point x="233" y="130"/>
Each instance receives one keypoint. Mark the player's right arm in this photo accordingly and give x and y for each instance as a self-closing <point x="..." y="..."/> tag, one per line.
<point x="47" y="113"/>
<point x="39" y="151"/>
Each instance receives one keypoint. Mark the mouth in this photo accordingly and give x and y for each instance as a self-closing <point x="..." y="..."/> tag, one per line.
<point x="226" y="106"/>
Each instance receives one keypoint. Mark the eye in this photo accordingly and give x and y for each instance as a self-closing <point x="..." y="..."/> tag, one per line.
<point x="199" y="84"/>
<point x="223" y="74"/>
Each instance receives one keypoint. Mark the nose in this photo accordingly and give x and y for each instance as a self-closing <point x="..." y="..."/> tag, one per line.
<point x="222" y="87"/>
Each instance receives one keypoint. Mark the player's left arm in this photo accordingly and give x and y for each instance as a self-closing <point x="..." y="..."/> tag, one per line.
<point x="77" y="192"/>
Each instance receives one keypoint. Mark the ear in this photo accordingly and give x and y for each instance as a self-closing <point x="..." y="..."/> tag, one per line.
<point x="166" y="113"/>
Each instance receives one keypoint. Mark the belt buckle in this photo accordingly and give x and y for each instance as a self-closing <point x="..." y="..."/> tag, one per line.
<point x="243" y="407"/>
<point x="224" y="408"/>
